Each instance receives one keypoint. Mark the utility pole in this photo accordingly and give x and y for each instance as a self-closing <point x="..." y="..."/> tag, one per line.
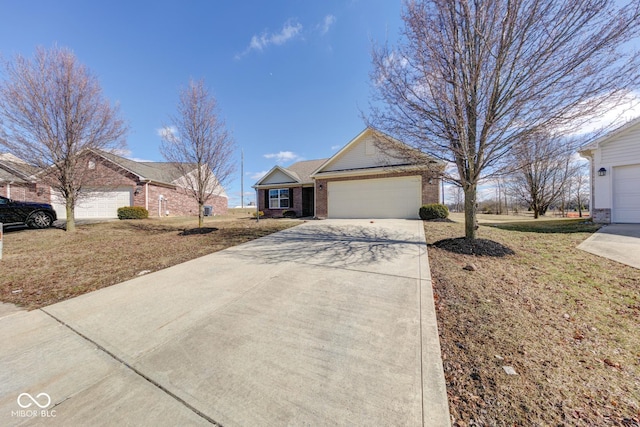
<point x="242" y="178"/>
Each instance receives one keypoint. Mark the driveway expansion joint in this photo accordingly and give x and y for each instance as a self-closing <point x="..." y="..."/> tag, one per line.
<point x="133" y="369"/>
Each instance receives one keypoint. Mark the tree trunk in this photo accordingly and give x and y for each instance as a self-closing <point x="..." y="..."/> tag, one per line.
<point x="71" y="221"/>
<point x="470" y="212"/>
<point x="200" y="215"/>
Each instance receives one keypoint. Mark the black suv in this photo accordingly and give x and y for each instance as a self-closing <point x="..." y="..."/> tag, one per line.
<point x="34" y="215"/>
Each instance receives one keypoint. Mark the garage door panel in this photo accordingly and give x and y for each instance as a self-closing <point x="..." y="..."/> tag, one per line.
<point x="375" y="198"/>
<point x="95" y="204"/>
<point x="626" y="194"/>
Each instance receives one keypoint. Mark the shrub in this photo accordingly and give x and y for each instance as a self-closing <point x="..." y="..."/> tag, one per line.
<point x="289" y="214"/>
<point x="433" y="211"/>
<point x="261" y="213"/>
<point x="132" y="212"/>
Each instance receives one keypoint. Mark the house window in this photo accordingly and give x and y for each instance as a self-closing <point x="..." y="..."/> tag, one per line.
<point x="279" y="199"/>
<point x="92" y="164"/>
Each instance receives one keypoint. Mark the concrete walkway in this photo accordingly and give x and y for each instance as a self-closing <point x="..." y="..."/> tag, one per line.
<point x="619" y="242"/>
<point x="328" y="323"/>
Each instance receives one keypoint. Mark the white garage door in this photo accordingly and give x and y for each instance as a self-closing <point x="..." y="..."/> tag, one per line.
<point x="375" y="198"/>
<point x="626" y="194"/>
<point x="96" y="204"/>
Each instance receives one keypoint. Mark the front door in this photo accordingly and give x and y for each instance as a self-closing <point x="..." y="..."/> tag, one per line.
<point x="307" y="201"/>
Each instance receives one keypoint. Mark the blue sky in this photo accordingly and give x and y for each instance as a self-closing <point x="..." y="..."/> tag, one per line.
<point x="291" y="77"/>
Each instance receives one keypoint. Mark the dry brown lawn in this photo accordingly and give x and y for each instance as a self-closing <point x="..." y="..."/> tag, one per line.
<point x="41" y="267"/>
<point x="566" y="320"/>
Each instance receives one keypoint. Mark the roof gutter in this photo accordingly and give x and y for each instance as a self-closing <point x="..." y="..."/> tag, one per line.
<point x="367" y="171"/>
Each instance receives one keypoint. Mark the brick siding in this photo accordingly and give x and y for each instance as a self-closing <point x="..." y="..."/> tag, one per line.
<point x="26" y="192"/>
<point x="277" y="213"/>
<point x="178" y="203"/>
<point x="602" y="216"/>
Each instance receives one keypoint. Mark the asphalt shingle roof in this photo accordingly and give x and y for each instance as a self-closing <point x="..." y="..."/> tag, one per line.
<point x="156" y="171"/>
<point x="13" y="169"/>
<point x="302" y="170"/>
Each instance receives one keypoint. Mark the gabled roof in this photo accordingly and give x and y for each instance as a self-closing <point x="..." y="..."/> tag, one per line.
<point x="595" y="144"/>
<point x="396" y="154"/>
<point x="157" y="172"/>
<point x="299" y="172"/>
<point x="161" y="172"/>
<point x="14" y="169"/>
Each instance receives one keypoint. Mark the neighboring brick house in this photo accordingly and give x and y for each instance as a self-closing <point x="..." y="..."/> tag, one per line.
<point x="113" y="181"/>
<point x="360" y="181"/>
<point x="17" y="181"/>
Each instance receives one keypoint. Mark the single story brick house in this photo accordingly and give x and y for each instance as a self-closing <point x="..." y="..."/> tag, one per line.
<point x="17" y="181"/>
<point x="113" y="182"/>
<point x="360" y="181"/>
<point x="615" y="174"/>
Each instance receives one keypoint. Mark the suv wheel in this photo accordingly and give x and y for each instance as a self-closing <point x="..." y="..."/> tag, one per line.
<point x="39" y="220"/>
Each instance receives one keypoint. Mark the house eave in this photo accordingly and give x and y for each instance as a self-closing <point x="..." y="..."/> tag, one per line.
<point x="380" y="170"/>
<point x="159" y="183"/>
<point x="277" y="168"/>
<point x="595" y="144"/>
<point x="586" y="153"/>
<point x="283" y="185"/>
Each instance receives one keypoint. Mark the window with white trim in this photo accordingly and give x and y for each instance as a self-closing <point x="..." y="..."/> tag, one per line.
<point x="279" y="198"/>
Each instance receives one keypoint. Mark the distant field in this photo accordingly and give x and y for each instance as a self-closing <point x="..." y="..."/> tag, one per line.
<point x="524" y="216"/>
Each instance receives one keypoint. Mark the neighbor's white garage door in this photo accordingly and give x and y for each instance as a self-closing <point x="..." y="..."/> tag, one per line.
<point x="96" y="204"/>
<point x="626" y="193"/>
<point x="375" y="198"/>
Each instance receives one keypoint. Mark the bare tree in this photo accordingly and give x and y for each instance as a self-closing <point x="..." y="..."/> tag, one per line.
<point x="52" y="110"/>
<point x="581" y="187"/>
<point x="470" y="79"/>
<point x="458" y="198"/>
<point x="199" y="145"/>
<point x="543" y="171"/>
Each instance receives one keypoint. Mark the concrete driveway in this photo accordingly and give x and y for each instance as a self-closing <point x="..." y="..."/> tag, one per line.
<point x="328" y="323"/>
<point x="619" y="242"/>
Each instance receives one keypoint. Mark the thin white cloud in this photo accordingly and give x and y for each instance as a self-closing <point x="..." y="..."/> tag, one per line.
<point x="613" y="115"/>
<point x="127" y="154"/>
<point x="167" y="131"/>
<point x="122" y="152"/>
<point x="290" y="30"/>
<point x="326" y="24"/>
<point x="283" y="156"/>
<point x="335" y="147"/>
<point x="257" y="175"/>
